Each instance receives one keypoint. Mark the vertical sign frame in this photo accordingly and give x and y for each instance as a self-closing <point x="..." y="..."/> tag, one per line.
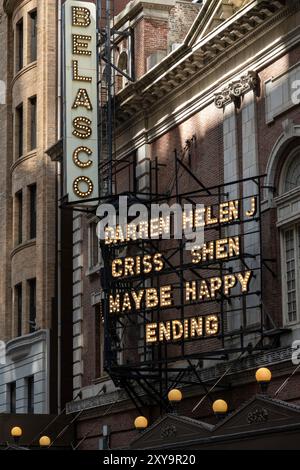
<point x="81" y="179"/>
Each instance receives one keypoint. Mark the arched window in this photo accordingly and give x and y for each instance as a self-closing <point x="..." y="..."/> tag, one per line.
<point x="123" y="65"/>
<point x="288" y="210"/>
<point x="292" y="176"/>
<point x="123" y="61"/>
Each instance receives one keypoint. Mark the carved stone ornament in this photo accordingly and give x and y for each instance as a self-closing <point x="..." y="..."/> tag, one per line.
<point x="258" y="415"/>
<point x="168" y="431"/>
<point x="236" y="89"/>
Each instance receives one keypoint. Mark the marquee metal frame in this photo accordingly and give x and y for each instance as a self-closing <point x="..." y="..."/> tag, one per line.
<point x="156" y="372"/>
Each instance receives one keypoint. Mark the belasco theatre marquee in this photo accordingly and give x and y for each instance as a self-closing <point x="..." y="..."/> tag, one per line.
<point x="164" y="304"/>
<point x="204" y="290"/>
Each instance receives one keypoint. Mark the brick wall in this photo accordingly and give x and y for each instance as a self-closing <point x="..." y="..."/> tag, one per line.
<point x="212" y="159"/>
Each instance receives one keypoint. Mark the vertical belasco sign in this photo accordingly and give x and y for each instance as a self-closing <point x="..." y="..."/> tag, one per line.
<point x="80" y="102"/>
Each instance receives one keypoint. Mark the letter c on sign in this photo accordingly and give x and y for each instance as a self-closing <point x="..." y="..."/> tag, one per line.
<point x="77" y="160"/>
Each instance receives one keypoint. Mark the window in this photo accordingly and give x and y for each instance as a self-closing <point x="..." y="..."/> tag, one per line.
<point x="19" y="301"/>
<point x="292" y="177"/>
<point x="33" y="35"/>
<point x="19" y="204"/>
<point x="19" y="131"/>
<point x="123" y="66"/>
<point x="291" y="242"/>
<point x="33" y="130"/>
<point x="32" y="305"/>
<point x="99" y="342"/>
<point x="19" y="45"/>
<point x="12" y="397"/>
<point x="288" y="219"/>
<point x="94" y="246"/>
<point x="32" y="219"/>
<point x="30" y="395"/>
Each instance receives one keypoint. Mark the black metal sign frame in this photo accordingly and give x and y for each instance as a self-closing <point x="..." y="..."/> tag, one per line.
<point x="150" y="371"/>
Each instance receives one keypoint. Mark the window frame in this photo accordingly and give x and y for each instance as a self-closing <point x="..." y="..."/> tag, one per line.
<point x="19" y="217"/>
<point x="12" y="392"/>
<point x="19" y="46"/>
<point x="32" y="219"/>
<point x="19" y="131"/>
<point x="287" y="220"/>
<point x="284" y="172"/>
<point x="30" y="394"/>
<point x="296" y="242"/>
<point x="19" y="309"/>
<point x="32" y="115"/>
<point x="92" y="266"/>
<point x="32" y="35"/>
<point x="99" y="342"/>
<point x="32" y="304"/>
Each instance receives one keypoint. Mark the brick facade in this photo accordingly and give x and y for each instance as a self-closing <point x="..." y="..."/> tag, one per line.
<point x="32" y="257"/>
<point x="176" y="104"/>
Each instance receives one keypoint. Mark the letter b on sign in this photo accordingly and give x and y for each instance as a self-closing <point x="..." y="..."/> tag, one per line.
<point x="81" y="17"/>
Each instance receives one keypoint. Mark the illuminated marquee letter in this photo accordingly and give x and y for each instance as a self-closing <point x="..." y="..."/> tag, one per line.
<point x="177" y="329"/>
<point x="79" y="46"/>
<point x="83" y="180"/>
<point x="75" y="73"/>
<point x="152" y="299"/>
<point x="196" y="327"/>
<point x="253" y="209"/>
<point x="114" y="304"/>
<point x="115" y="272"/>
<point x="77" y="160"/>
<point x="82" y="128"/>
<point x="81" y="17"/>
<point x="82" y="99"/>
<point x="151" y="332"/>
<point x="244" y="280"/>
<point x="211" y="325"/>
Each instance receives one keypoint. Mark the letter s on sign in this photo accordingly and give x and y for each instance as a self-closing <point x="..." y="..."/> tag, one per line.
<point x="296" y="353"/>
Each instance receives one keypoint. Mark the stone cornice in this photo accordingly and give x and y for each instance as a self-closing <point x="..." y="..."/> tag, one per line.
<point x="187" y="61"/>
<point x="205" y="98"/>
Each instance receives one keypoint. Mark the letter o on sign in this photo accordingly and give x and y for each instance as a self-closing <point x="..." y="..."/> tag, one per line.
<point x="83" y="181"/>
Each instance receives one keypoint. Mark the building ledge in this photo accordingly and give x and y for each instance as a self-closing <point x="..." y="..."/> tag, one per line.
<point x="22" y="159"/>
<point x="23" y="246"/>
<point x="18" y="348"/>
<point x="242" y="369"/>
<point x="27" y="68"/>
<point x="55" y="152"/>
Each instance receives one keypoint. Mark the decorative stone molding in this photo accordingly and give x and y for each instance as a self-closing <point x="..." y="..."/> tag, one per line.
<point x="236" y="89"/>
<point x="200" y="58"/>
<point x="18" y="348"/>
<point x="10" y="5"/>
<point x="291" y="131"/>
<point x="258" y="415"/>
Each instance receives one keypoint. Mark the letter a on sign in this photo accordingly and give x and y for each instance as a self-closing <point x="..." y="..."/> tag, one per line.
<point x="81" y="182"/>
